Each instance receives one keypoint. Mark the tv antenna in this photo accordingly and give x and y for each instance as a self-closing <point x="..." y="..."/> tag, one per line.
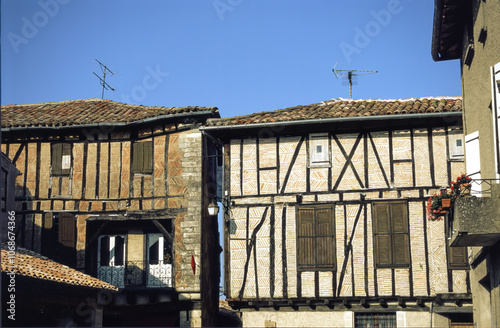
<point x="104" y="70"/>
<point x="350" y="75"/>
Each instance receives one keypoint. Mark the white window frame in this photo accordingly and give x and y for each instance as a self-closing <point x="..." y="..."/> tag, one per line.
<point x="116" y="270"/>
<point x="454" y="138"/>
<point x="319" y="150"/>
<point x="152" y="269"/>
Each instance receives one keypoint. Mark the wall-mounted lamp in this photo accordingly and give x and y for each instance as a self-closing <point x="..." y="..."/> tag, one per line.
<point x="213" y="208"/>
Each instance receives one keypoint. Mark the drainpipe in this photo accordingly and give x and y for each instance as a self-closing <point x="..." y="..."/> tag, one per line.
<point x="432" y="309"/>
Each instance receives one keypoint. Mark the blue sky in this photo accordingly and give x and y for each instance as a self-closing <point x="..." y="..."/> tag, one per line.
<point x="241" y="56"/>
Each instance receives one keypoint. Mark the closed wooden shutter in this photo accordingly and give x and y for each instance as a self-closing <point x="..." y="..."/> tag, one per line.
<point x="399" y="234"/>
<point x="143" y="157"/>
<point x="67" y="239"/>
<point x="324" y="241"/>
<point x="383" y="249"/>
<point x="457" y="258"/>
<point x="148" y="157"/>
<point x="67" y="230"/>
<point x="306" y="245"/>
<point x="391" y="234"/>
<point x="57" y="159"/>
<point x="316" y="238"/>
<point x="137" y="155"/>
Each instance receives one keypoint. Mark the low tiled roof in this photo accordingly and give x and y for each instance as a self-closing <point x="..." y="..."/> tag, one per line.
<point x="86" y="111"/>
<point x="339" y="108"/>
<point x="30" y="264"/>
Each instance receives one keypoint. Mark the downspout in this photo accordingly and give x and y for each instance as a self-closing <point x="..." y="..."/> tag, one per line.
<point x="432" y="310"/>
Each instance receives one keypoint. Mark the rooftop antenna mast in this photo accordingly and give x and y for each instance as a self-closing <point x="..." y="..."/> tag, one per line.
<point x="104" y="70"/>
<point x="349" y="74"/>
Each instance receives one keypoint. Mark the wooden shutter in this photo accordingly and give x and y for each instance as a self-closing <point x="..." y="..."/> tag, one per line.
<point x="67" y="239"/>
<point x="399" y="234"/>
<point x="47" y="235"/>
<point x="148" y="157"/>
<point x="138" y="150"/>
<point x="383" y="249"/>
<point x="67" y="230"/>
<point x="306" y="246"/>
<point x="57" y="159"/>
<point x="457" y="257"/>
<point x="391" y="234"/>
<point x="325" y="238"/>
<point x="143" y="157"/>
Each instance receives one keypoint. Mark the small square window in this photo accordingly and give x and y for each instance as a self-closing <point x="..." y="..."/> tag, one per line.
<point x="456" y="144"/>
<point x="318" y="150"/>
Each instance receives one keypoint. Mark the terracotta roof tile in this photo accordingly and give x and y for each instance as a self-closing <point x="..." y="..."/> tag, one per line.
<point x="86" y="111"/>
<point x="338" y="108"/>
<point x="30" y="264"/>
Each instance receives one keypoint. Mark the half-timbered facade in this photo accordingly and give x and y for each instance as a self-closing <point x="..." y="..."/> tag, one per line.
<point x="117" y="191"/>
<point x="325" y="214"/>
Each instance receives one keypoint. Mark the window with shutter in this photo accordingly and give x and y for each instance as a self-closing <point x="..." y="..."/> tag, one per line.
<point x="457" y="258"/>
<point x="315" y="238"/>
<point x="391" y="235"/>
<point x="61" y="159"/>
<point x="142" y="157"/>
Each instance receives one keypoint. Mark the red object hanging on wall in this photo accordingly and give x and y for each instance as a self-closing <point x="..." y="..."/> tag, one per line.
<point x="193" y="264"/>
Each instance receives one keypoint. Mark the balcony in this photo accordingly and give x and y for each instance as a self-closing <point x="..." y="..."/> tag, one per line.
<point x="134" y="274"/>
<point x="475" y="220"/>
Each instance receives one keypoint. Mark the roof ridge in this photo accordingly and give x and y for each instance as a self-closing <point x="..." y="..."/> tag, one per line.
<point x="393" y="99"/>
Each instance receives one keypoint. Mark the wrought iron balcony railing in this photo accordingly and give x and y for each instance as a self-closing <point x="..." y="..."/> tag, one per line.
<point x="482" y="187"/>
<point x="136" y="273"/>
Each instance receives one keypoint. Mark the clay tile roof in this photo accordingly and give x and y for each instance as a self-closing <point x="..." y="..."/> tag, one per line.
<point x="339" y="108"/>
<point x="86" y="111"/>
<point x="30" y="264"/>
